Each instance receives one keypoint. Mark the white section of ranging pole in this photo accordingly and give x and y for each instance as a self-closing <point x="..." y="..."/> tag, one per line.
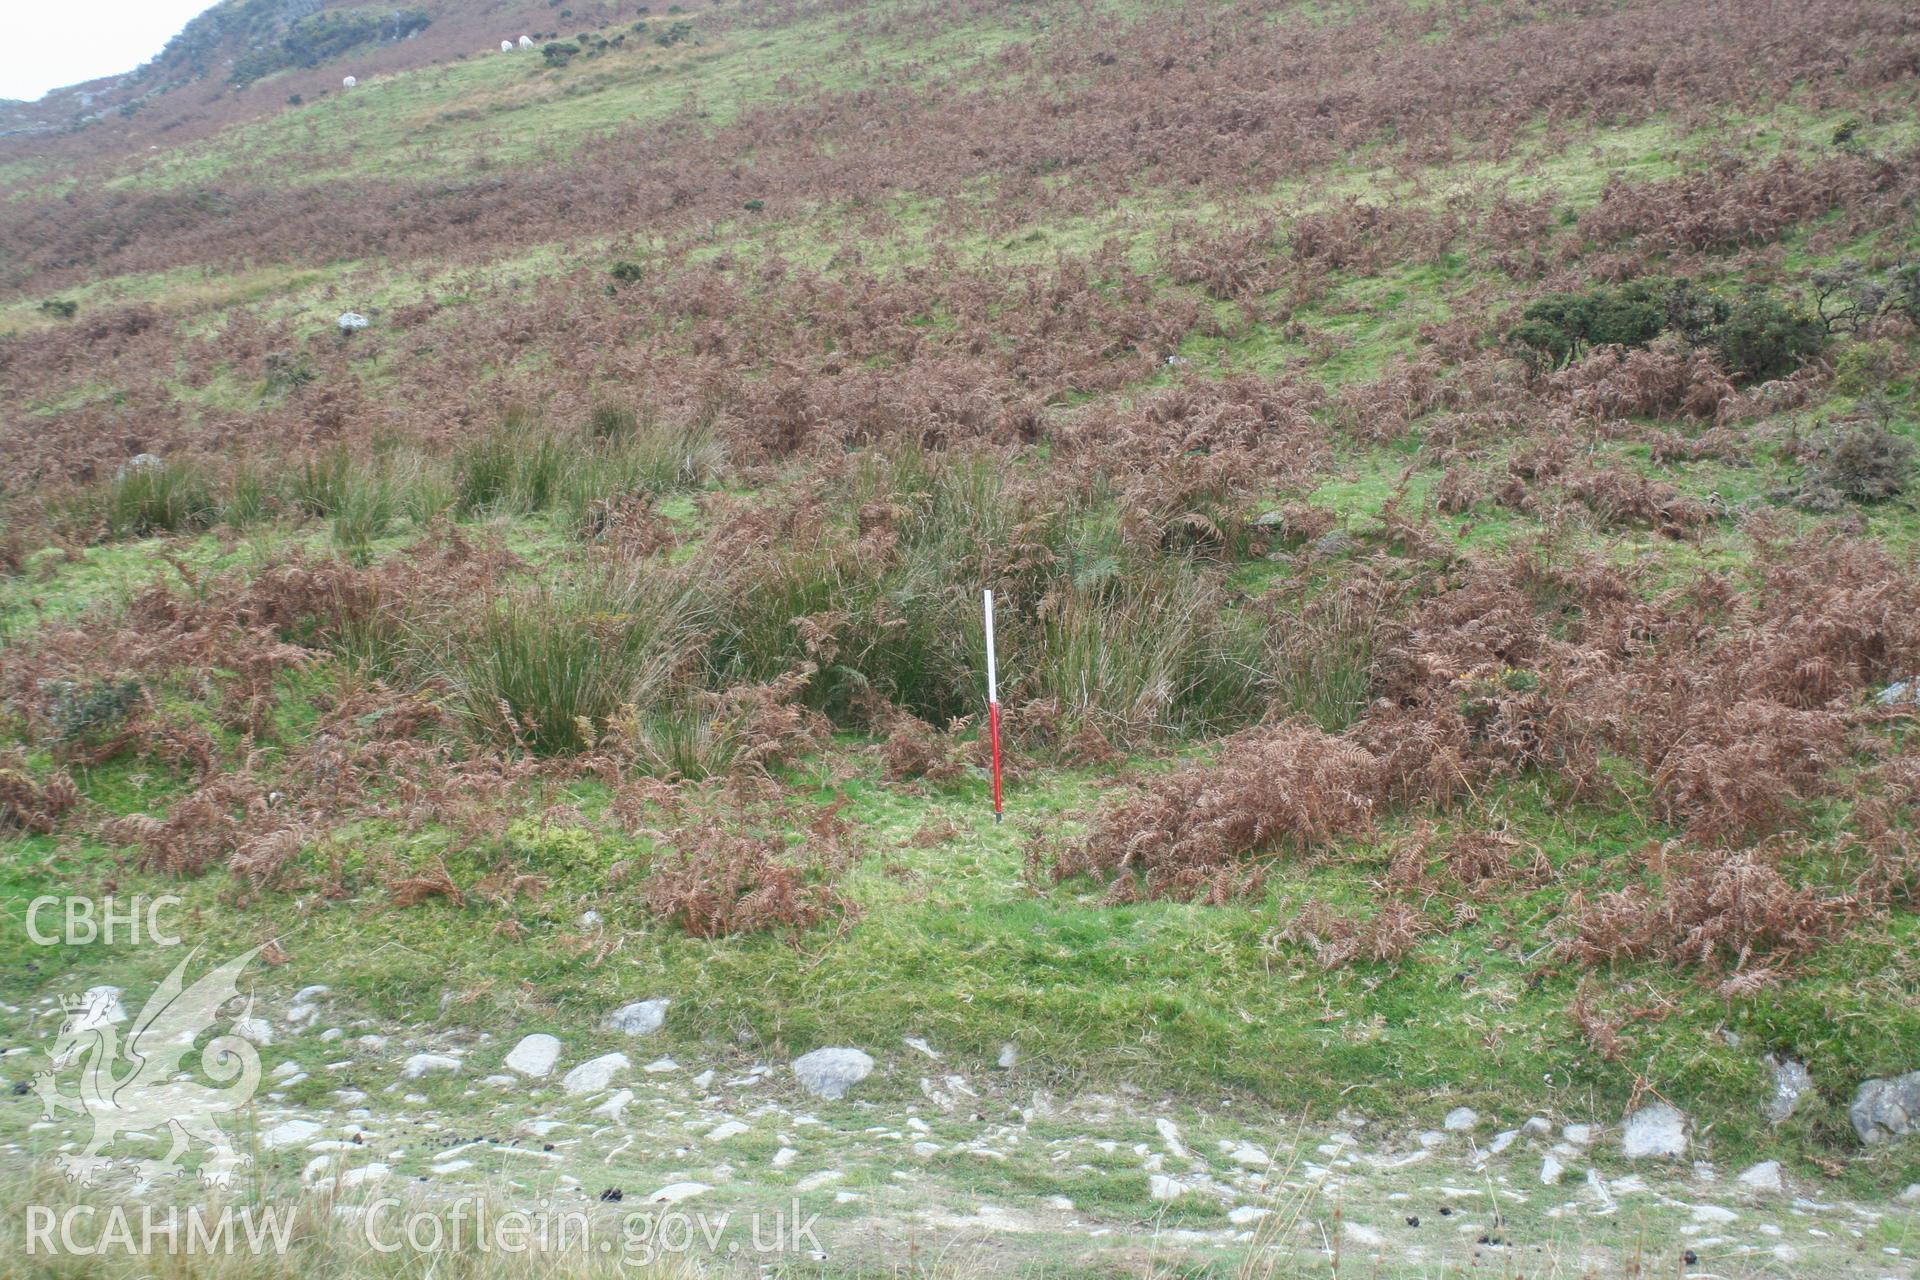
<point x="993" y="673"/>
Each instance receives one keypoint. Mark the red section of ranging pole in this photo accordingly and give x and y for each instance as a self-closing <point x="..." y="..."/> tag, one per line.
<point x="993" y="706"/>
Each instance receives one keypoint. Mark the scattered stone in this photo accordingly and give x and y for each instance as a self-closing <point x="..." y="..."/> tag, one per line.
<point x="1503" y="1140"/>
<point x="641" y="1018"/>
<point x="920" y="1046"/>
<point x="1551" y="1171"/>
<point x="1165" y="1189"/>
<point x="351" y="321"/>
<point x="1764" y="1177"/>
<point x="1900" y="691"/>
<point x="1336" y="542"/>
<point x="829" y="1073"/>
<point x="102" y="1003"/>
<point x="1250" y="1156"/>
<point x="375" y="1172"/>
<point x="1714" y="1215"/>
<point x="784" y="1157"/>
<point x="1580" y="1135"/>
<point x="1170" y="1134"/>
<point x="727" y="1129"/>
<point x="1790" y="1081"/>
<point x="1246" y="1215"/>
<point x="535" y="1055"/>
<point x="660" y="1066"/>
<point x="1009" y="1056"/>
<point x="675" y="1192"/>
<point x="1460" y="1119"/>
<point x="1883" y="1110"/>
<point x="1655" y="1130"/>
<point x="301" y="1010"/>
<point x="421" y="1064"/>
<point x="815" y="1181"/>
<point x="1537" y="1127"/>
<point x="256" y="1029"/>
<point x="289" y="1133"/>
<point x="595" y="1074"/>
<point x="704" y="1079"/>
<point x="615" y="1106"/>
<point x="1432" y="1138"/>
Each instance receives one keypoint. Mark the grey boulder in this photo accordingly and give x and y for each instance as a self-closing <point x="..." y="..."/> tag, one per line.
<point x="829" y="1073"/>
<point x="1883" y="1110"/>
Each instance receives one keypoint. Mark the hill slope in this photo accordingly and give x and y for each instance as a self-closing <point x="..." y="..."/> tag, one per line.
<point x="1446" y="470"/>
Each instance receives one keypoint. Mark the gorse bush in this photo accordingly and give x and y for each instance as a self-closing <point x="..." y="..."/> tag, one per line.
<point x="1763" y="339"/>
<point x="1757" y="337"/>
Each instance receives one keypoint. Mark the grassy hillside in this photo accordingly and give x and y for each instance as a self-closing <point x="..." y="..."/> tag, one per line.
<point x="1446" y="469"/>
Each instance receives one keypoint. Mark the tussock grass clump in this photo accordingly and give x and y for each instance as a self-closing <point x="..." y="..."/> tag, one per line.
<point x="146" y="498"/>
<point x="545" y="669"/>
<point x="1145" y="656"/>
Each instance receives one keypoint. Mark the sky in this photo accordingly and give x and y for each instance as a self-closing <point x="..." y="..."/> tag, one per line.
<point x="48" y="45"/>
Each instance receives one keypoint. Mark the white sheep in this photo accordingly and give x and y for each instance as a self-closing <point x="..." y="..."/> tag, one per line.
<point x="349" y="83"/>
<point x="506" y="46"/>
<point x="526" y="42"/>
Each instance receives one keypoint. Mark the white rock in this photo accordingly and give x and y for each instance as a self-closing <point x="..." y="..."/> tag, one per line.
<point x="256" y="1029"/>
<point x="1503" y="1140"/>
<point x="784" y="1157"/>
<point x="1656" y="1130"/>
<point x="1537" y="1127"/>
<point x="815" y="1181"/>
<point x="421" y="1064"/>
<point x="375" y="1172"/>
<point x="920" y="1046"/>
<point x="289" y="1133"/>
<point x="1461" y="1119"/>
<point x="1580" y="1135"/>
<point x="1551" y="1171"/>
<point x="285" y="1069"/>
<point x="675" y="1192"/>
<point x="1791" y="1081"/>
<point x="1764" y="1177"/>
<point x="615" y="1106"/>
<point x="1250" y="1156"/>
<point x="1009" y="1056"/>
<point x="1164" y="1189"/>
<point x="829" y="1073"/>
<point x="1714" y="1215"/>
<point x="535" y="1055"/>
<point x="660" y="1066"/>
<point x="641" y="1018"/>
<point x="351" y="321"/>
<point x="595" y="1074"/>
<point x="1170" y="1134"/>
<point x="1246" y="1215"/>
<point x="102" y="1007"/>
<point x="727" y="1129"/>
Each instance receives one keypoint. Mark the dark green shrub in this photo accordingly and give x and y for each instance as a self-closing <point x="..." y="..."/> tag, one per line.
<point x="1763" y="339"/>
<point x="626" y="272"/>
<point x="286" y="370"/>
<point x="86" y="712"/>
<point x="1559" y="328"/>
<point x="558" y="54"/>
<point x="754" y="206"/>
<point x="60" y="308"/>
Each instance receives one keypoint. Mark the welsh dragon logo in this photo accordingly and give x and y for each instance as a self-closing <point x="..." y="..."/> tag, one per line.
<point x="130" y="1086"/>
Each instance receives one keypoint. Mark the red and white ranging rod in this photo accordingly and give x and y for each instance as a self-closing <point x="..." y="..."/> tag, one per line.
<point x="993" y="707"/>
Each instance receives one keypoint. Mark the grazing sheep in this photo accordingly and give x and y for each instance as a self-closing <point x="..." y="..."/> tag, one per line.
<point x="526" y="42"/>
<point x="348" y="83"/>
<point x="506" y="46"/>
